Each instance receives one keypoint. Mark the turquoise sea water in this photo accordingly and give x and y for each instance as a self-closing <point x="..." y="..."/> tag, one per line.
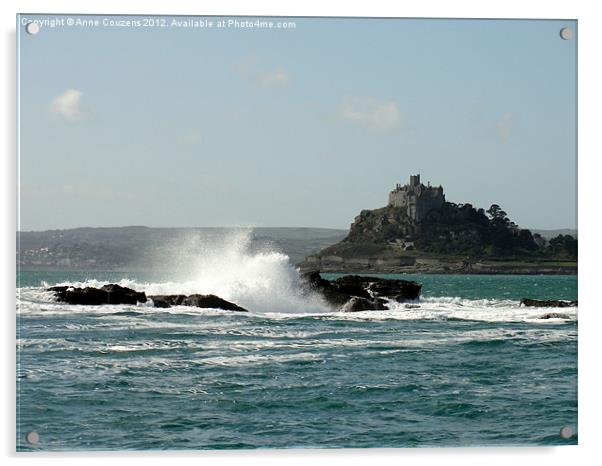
<point x="464" y="366"/>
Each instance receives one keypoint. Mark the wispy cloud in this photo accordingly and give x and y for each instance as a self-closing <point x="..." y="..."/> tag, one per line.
<point x="67" y="105"/>
<point x="505" y="125"/>
<point x="276" y="78"/>
<point x="371" y="113"/>
<point x="262" y="75"/>
<point x="191" y="137"/>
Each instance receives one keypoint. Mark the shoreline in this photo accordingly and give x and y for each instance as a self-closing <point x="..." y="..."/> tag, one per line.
<point x="454" y="268"/>
<point x="439" y="272"/>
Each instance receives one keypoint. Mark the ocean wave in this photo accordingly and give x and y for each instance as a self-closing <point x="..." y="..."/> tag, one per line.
<point x="40" y="302"/>
<point x="265" y="280"/>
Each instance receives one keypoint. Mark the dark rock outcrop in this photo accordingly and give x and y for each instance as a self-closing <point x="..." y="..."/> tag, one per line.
<point x="116" y="294"/>
<point x="165" y="301"/>
<point x="315" y="283"/>
<point x="108" y="294"/>
<point x="353" y="293"/>
<point x="374" y="287"/>
<point x="547" y="303"/>
<point x="122" y="295"/>
<point x="196" y="300"/>
<point x="352" y="285"/>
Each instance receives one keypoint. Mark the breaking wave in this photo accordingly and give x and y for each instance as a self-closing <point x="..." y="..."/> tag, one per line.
<point x="266" y="283"/>
<point x="263" y="280"/>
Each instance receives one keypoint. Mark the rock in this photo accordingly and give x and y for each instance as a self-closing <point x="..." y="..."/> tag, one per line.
<point x="368" y="287"/>
<point x="370" y="291"/>
<point x="165" y="301"/>
<point x="554" y="315"/>
<point x="158" y="302"/>
<point x="547" y="303"/>
<point x="353" y="285"/>
<point x="59" y="291"/>
<point x="356" y="304"/>
<point x="195" y="300"/>
<point x="108" y="294"/>
<point x="400" y="290"/>
<point x="315" y="283"/>
<point x="116" y="294"/>
<point x="122" y="295"/>
<point x="211" y="301"/>
<point x="314" y="280"/>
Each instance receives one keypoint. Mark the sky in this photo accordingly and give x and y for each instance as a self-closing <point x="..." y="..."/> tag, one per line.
<point x="300" y="127"/>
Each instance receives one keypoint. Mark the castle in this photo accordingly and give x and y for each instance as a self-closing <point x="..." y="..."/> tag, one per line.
<point x="416" y="198"/>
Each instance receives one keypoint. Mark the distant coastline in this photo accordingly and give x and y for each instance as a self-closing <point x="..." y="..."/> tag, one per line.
<point x="418" y="265"/>
<point x="140" y="248"/>
<point x="130" y="249"/>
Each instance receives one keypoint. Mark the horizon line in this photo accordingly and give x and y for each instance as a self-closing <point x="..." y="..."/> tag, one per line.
<point x="249" y="227"/>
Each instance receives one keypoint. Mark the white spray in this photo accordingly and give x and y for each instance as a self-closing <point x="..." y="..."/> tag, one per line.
<point x="260" y="281"/>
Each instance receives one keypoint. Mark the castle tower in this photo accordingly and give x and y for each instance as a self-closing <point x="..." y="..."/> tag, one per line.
<point x="414" y="180"/>
<point x="416" y="199"/>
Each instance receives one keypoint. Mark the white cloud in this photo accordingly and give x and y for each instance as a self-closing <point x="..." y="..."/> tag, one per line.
<point x="276" y="78"/>
<point x="371" y="113"/>
<point x="67" y="105"/>
<point x="505" y="125"/>
<point x="266" y="77"/>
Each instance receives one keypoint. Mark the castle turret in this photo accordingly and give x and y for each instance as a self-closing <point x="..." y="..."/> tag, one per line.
<point x="414" y="180"/>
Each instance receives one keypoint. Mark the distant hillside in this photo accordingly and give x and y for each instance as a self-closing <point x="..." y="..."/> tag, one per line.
<point x="143" y="248"/>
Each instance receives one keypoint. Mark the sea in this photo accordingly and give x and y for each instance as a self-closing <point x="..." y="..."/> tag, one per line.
<point x="465" y="365"/>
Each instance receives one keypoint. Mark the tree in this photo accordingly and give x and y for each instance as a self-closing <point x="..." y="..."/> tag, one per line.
<point x="496" y="212"/>
<point x="539" y="240"/>
<point x="564" y="245"/>
<point x="526" y="240"/>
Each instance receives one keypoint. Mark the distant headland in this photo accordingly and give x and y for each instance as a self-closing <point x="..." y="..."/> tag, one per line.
<point x="420" y="232"/>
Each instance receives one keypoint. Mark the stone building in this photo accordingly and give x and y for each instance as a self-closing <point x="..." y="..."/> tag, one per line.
<point x="416" y="198"/>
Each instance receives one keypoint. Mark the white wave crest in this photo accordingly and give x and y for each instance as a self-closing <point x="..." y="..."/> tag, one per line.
<point x="262" y="281"/>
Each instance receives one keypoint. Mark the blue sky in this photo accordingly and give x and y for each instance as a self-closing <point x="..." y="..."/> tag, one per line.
<point x="298" y="127"/>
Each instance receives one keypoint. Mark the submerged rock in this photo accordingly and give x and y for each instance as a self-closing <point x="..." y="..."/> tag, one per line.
<point x="108" y="294"/>
<point x="352" y="293"/>
<point x="554" y="315"/>
<point x="412" y="306"/>
<point x="547" y="303"/>
<point x="196" y="300"/>
<point x="357" y="304"/>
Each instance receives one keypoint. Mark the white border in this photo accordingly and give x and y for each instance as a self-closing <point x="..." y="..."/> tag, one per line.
<point x="589" y="29"/>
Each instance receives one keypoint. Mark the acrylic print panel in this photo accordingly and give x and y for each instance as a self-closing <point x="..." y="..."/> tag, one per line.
<point x="295" y="233"/>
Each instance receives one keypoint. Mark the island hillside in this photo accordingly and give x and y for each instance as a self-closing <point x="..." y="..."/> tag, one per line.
<point x="420" y="232"/>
